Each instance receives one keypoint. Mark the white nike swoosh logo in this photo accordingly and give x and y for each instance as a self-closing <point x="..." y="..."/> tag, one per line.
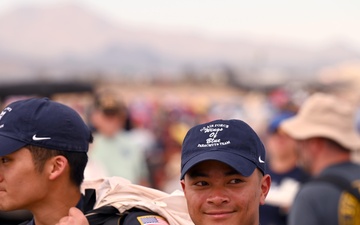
<point x="260" y="160"/>
<point x="40" y="138"/>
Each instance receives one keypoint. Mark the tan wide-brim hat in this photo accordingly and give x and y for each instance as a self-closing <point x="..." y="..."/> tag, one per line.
<point x="325" y="115"/>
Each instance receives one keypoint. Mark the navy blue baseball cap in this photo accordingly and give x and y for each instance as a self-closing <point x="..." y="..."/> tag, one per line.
<point x="232" y="142"/>
<point x="44" y="123"/>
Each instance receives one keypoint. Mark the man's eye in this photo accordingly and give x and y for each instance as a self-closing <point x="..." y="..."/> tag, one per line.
<point x="201" y="183"/>
<point x="235" y="181"/>
<point x="4" y="160"/>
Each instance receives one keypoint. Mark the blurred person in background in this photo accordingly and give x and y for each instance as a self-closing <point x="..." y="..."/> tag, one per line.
<point x="142" y="125"/>
<point x="326" y="135"/>
<point x="173" y="119"/>
<point x="177" y="132"/>
<point x="114" y="146"/>
<point x="286" y="176"/>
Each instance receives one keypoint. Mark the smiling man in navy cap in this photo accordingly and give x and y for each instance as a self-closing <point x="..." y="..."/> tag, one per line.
<point x="223" y="173"/>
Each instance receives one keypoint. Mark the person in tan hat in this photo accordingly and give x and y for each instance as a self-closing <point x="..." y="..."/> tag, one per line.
<point x="326" y="136"/>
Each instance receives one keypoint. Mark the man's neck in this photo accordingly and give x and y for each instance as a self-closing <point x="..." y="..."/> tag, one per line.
<point x="52" y="210"/>
<point x="327" y="161"/>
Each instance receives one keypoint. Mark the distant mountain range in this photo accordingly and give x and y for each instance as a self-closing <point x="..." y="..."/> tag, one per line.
<point x="70" y="42"/>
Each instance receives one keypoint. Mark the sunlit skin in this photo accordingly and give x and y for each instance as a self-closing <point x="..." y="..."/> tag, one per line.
<point x="281" y="152"/>
<point x="218" y="194"/>
<point x="315" y="154"/>
<point x="75" y="217"/>
<point x="19" y="181"/>
<point x="47" y="194"/>
<point x="306" y="159"/>
<point x="280" y="145"/>
<point x="108" y="125"/>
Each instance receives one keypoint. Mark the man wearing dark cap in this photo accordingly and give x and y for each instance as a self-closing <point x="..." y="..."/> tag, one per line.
<point x="223" y="173"/>
<point x="43" y="154"/>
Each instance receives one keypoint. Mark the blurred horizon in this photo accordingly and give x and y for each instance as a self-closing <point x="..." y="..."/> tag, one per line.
<point x="303" y="22"/>
<point x="77" y="40"/>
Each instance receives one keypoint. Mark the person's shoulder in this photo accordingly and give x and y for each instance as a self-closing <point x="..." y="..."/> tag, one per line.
<point x="312" y="195"/>
<point x="342" y="167"/>
<point x="312" y="189"/>
<point x="347" y="170"/>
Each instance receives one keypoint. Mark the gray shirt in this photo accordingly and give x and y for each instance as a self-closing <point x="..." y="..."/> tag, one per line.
<point x="319" y="203"/>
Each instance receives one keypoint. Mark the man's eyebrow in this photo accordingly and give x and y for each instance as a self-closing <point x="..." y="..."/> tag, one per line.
<point x="232" y="172"/>
<point x="197" y="173"/>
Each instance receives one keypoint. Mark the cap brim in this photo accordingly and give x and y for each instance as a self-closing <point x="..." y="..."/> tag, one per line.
<point x="241" y="164"/>
<point x="297" y="128"/>
<point x="9" y="145"/>
<point x="301" y="129"/>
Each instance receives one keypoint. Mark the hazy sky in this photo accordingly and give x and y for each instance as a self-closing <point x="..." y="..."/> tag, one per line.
<point x="307" y="21"/>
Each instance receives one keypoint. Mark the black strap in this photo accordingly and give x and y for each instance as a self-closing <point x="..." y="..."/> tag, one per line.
<point x="89" y="200"/>
<point x="340" y="182"/>
<point x="103" y="215"/>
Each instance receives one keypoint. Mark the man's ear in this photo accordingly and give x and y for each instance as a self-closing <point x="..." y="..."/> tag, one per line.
<point x="57" y="165"/>
<point x="182" y="182"/>
<point x="265" y="187"/>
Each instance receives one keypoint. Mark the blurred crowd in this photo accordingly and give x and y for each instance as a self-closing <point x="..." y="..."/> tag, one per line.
<point x="139" y="137"/>
<point x="141" y="140"/>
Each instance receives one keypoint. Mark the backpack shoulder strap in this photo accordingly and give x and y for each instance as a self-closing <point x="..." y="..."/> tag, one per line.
<point x="105" y="215"/>
<point x="89" y="199"/>
<point x="339" y="182"/>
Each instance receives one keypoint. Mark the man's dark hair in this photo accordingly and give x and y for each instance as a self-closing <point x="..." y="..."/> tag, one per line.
<point x="77" y="161"/>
